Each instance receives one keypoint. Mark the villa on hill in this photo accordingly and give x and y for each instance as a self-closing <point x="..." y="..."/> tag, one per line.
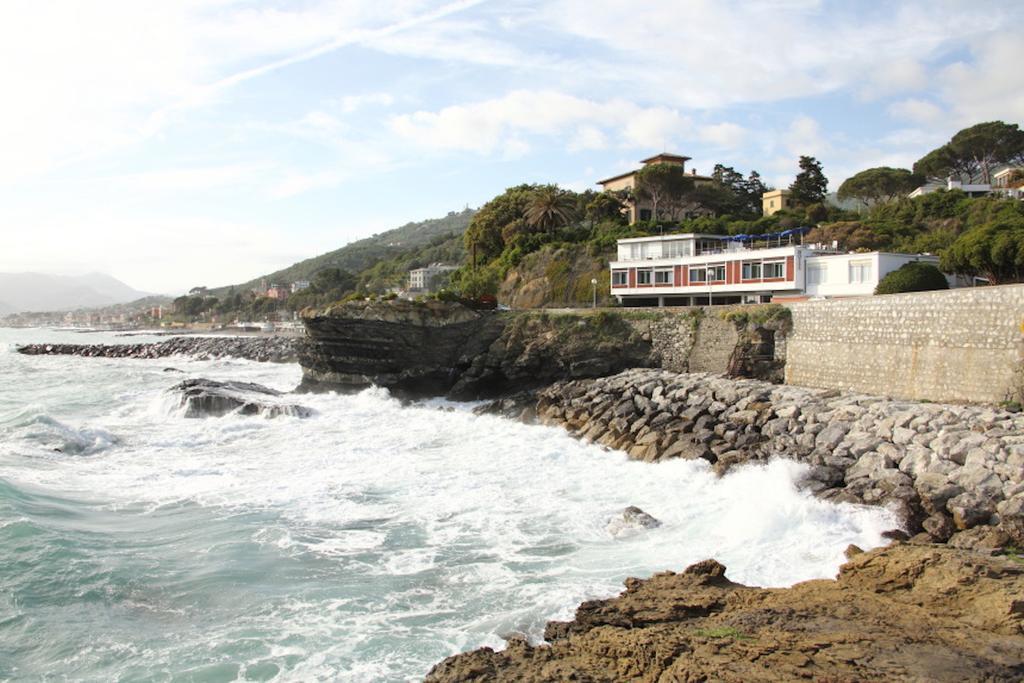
<point x="638" y="209"/>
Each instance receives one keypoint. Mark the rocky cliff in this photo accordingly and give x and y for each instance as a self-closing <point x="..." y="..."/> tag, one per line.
<point x="902" y="613"/>
<point x="434" y="348"/>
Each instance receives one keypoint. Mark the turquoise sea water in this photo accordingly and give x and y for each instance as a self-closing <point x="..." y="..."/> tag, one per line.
<point x="365" y="543"/>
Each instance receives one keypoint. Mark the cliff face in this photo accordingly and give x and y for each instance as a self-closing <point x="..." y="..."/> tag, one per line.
<point x="412" y="348"/>
<point x="435" y="348"/>
<point x="906" y="612"/>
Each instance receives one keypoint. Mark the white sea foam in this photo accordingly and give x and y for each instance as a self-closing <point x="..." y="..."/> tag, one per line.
<point x="397" y="535"/>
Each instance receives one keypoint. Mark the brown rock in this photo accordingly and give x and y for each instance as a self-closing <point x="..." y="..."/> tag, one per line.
<point x="906" y="612"/>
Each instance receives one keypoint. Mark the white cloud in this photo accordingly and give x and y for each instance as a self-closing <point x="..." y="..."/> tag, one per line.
<point x="992" y="86"/>
<point x="898" y="76"/>
<point x="726" y="135"/>
<point x="351" y="103"/>
<point x="916" y="111"/>
<point x="501" y="124"/>
<point x="804" y="137"/>
<point x="588" y="137"/>
<point x="84" y="78"/>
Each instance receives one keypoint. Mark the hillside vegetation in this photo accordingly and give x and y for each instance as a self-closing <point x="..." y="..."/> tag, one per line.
<point x="437" y="239"/>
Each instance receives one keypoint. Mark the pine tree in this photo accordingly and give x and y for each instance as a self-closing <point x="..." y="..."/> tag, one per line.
<point x="811" y="184"/>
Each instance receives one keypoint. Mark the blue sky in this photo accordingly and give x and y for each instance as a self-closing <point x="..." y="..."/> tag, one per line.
<point x="174" y="144"/>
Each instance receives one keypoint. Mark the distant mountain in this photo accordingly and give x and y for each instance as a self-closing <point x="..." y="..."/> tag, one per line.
<point x="360" y="255"/>
<point x="41" y="292"/>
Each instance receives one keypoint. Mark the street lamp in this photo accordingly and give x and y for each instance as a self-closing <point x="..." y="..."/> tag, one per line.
<point x="593" y="284"/>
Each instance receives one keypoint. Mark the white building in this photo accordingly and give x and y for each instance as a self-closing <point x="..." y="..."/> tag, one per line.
<point x="430" y="278"/>
<point x="300" y="285"/>
<point x="695" y="269"/>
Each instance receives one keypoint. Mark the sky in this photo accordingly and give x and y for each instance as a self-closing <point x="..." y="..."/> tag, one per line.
<point x="207" y="142"/>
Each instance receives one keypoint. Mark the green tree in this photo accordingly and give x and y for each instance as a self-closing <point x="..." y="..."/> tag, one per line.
<point x="606" y="206"/>
<point x="915" y="276"/>
<point x="993" y="250"/>
<point x="663" y="184"/>
<point x="811" y="184"/>
<point x="974" y="152"/>
<point x="881" y="184"/>
<point x="550" y="208"/>
<point x="483" y="236"/>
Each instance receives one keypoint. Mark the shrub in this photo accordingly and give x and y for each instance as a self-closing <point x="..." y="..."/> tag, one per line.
<point x="912" y="277"/>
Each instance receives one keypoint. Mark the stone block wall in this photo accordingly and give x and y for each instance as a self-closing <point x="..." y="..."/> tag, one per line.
<point x="955" y="345"/>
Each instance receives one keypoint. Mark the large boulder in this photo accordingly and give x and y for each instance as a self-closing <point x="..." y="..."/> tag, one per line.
<point x="630" y="520"/>
<point x="210" y="398"/>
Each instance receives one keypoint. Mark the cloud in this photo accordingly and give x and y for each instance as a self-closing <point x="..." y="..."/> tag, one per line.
<point x="503" y="124"/>
<point x="351" y="103"/>
<point x="916" y="111"/>
<point x="726" y="135"/>
<point x="804" y="137"/>
<point x="93" y="77"/>
<point x="992" y="86"/>
<point x="899" y="76"/>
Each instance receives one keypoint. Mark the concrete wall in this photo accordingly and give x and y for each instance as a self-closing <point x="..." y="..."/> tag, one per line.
<point x="955" y="345"/>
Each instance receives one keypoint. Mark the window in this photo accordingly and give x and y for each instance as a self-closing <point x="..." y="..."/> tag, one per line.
<point x="645" y="214"/>
<point x="817" y="274"/>
<point x="643" y="277"/>
<point x="752" y="270"/>
<point x="698" y="275"/>
<point x="619" y="278"/>
<point x="716" y="273"/>
<point x="774" y="269"/>
<point x="676" y="248"/>
<point x="860" y="271"/>
<point x="663" y="277"/>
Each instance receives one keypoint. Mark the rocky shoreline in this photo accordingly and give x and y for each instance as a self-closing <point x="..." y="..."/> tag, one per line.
<point x="901" y="613"/>
<point x="277" y="349"/>
<point x="954" y="473"/>
<point x="947" y="605"/>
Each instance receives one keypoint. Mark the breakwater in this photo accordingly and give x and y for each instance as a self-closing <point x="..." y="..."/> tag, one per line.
<point x="264" y="349"/>
<point x="951" y="471"/>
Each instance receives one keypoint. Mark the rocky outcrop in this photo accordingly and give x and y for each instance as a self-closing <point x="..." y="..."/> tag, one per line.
<point x="210" y="398"/>
<point x="537" y="349"/>
<point x="906" y="612"/>
<point x="264" y="349"/>
<point x="414" y="348"/>
<point x="946" y="468"/>
<point x="434" y="348"/>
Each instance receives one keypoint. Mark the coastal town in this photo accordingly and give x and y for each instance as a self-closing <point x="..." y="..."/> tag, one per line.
<point x="473" y="342"/>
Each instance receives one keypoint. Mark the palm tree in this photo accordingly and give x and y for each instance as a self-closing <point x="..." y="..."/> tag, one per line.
<point x="550" y="208"/>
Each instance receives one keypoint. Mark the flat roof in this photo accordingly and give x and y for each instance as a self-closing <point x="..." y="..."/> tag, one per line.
<point x="674" y="236"/>
<point x="665" y="155"/>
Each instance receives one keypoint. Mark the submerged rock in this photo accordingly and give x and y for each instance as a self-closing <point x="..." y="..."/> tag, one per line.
<point x="630" y="520"/>
<point x="211" y="398"/>
<point x="906" y="612"/>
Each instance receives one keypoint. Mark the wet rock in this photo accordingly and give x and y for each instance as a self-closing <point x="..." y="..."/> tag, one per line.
<point x="630" y="520"/>
<point x="275" y="349"/>
<point x="906" y="612"/>
<point x="211" y="398"/>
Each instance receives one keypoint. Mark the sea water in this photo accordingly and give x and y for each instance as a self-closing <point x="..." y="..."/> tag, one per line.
<point x="365" y="543"/>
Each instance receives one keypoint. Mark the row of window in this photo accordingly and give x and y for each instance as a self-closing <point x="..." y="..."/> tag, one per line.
<point x="751" y="270"/>
<point x="860" y="272"/>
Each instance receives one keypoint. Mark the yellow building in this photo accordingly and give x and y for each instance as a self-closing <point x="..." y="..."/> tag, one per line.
<point x="641" y="210"/>
<point x="776" y="200"/>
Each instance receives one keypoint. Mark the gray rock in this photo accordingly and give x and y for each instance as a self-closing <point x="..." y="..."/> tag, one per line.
<point x="211" y="398"/>
<point x="970" y="509"/>
<point x="631" y="520"/>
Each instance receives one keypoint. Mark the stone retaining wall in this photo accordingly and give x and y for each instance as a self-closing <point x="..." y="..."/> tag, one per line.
<point x="945" y="468"/>
<point x="955" y="345"/>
